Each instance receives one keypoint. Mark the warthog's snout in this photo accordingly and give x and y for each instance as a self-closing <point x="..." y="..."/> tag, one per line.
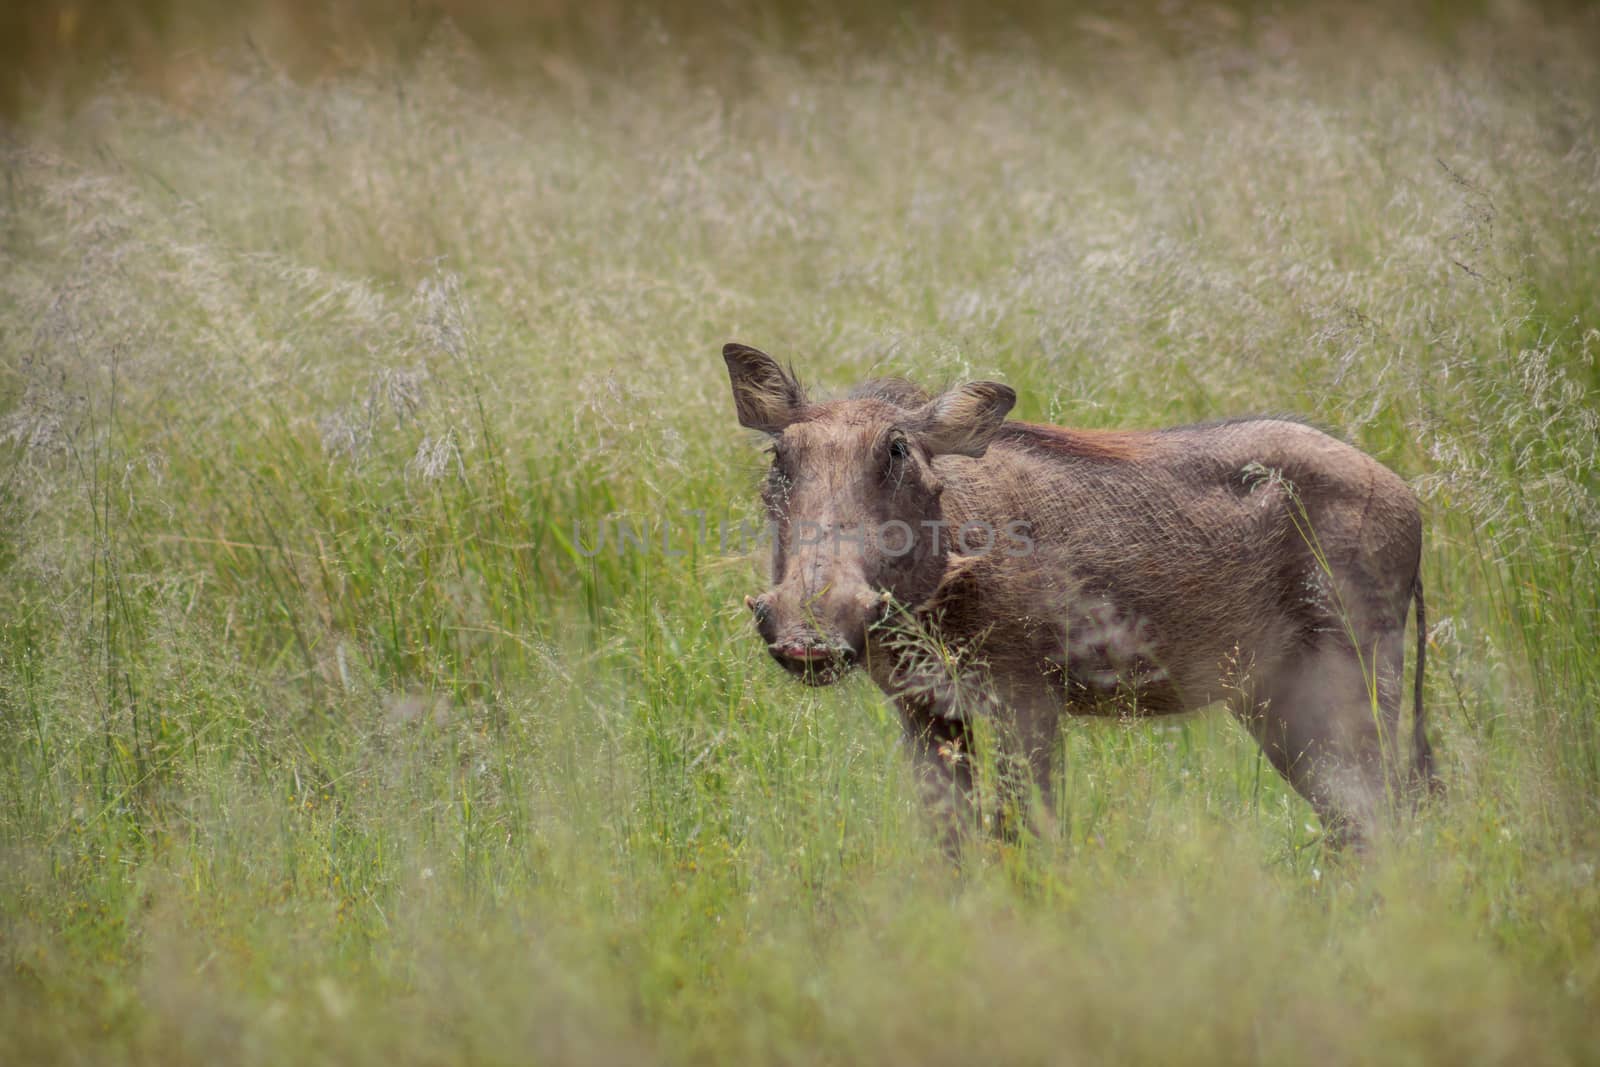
<point x="813" y="643"/>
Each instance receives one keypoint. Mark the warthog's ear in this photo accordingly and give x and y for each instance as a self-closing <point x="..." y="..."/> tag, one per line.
<point x="767" y="397"/>
<point x="963" y="421"/>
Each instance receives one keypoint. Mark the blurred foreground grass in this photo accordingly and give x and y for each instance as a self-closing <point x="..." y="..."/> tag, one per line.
<point x="324" y="739"/>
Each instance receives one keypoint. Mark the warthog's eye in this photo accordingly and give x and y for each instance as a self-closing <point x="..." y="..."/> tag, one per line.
<point x="897" y="461"/>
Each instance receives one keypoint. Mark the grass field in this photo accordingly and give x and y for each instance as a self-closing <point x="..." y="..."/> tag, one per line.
<point x="323" y="740"/>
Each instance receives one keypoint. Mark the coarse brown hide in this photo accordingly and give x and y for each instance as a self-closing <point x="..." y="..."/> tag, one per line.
<point x="983" y="568"/>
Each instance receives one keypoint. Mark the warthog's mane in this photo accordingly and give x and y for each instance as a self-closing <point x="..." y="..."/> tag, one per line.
<point x="1236" y="420"/>
<point x="896" y="391"/>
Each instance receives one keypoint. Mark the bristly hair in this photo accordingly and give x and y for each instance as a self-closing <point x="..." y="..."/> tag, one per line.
<point x="1234" y="420"/>
<point x="896" y="391"/>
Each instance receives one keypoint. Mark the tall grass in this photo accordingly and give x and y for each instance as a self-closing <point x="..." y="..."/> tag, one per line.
<point x="326" y="735"/>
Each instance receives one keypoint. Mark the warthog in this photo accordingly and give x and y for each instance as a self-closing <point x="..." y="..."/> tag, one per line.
<point x="979" y="568"/>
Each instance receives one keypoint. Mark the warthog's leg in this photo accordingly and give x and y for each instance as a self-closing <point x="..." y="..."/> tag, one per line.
<point x="1025" y="720"/>
<point x="941" y="760"/>
<point x="1028" y="724"/>
<point x="1325" y="717"/>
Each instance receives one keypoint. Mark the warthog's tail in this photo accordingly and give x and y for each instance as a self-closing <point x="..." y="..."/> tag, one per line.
<point x="1421" y="751"/>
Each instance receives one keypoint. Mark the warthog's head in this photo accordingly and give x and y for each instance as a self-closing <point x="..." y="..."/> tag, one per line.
<point x="853" y="501"/>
